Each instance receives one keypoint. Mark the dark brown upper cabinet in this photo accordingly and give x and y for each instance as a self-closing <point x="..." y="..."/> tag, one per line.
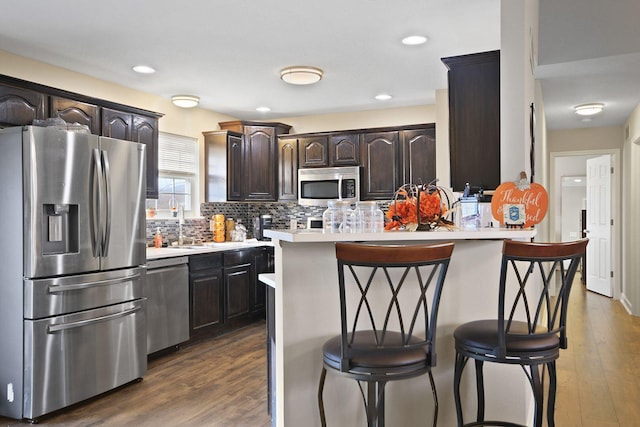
<point x="117" y="124"/>
<point x="419" y="155"/>
<point x="19" y="106"/>
<point x="389" y="157"/>
<point x="474" y="119"/>
<point x="313" y="152"/>
<point x="145" y="131"/>
<point x="72" y="111"/>
<point x="344" y="150"/>
<point x="381" y="167"/>
<point x="22" y="101"/>
<point x="253" y="169"/>
<point x="287" y="169"/>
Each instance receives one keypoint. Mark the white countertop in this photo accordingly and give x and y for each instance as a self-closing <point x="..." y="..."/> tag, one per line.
<point x="311" y="236"/>
<point x="169" y="252"/>
<point x="268" y="279"/>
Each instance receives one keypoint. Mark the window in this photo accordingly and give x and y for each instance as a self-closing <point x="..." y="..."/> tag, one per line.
<point x="177" y="174"/>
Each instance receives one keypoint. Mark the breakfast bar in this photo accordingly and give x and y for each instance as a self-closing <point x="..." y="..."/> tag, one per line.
<point x="307" y="314"/>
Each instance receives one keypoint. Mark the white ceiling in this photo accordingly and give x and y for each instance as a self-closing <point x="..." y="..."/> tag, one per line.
<point x="230" y="52"/>
<point x="589" y="51"/>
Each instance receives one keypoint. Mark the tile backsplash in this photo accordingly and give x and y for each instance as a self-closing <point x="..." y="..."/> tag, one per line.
<point x="282" y="213"/>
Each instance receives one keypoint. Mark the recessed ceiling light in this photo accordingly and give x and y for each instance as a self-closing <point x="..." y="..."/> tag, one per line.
<point x="185" y="101"/>
<point x="263" y="109"/>
<point x="301" y="75"/>
<point x="414" y="40"/>
<point x="383" y="97"/>
<point x="588" y="109"/>
<point x="144" y="69"/>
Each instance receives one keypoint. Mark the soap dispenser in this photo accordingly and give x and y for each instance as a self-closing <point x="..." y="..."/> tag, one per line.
<point x="157" y="239"/>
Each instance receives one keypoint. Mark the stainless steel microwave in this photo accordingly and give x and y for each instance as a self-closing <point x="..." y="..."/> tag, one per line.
<point x="316" y="186"/>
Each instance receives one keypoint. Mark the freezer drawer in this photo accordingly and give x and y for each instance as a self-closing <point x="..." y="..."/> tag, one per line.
<point x="71" y="358"/>
<point x="69" y="294"/>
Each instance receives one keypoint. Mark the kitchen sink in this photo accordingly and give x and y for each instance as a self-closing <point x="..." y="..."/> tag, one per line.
<point x="221" y="245"/>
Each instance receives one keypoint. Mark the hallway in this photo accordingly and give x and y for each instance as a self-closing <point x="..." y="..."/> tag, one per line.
<point x="599" y="374"/>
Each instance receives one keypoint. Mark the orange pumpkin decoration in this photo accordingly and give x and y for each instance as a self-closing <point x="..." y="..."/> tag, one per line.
<point x="533" y="196"/>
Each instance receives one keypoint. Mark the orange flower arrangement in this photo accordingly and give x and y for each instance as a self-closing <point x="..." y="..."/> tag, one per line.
<point x="403" y="213"/>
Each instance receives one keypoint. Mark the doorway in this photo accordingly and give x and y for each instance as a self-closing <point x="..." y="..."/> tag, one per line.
<point x="567" y="166"/>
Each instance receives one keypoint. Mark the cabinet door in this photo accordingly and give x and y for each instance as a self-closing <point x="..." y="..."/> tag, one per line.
<point x="474" y="119"/>
<point x="206" y="307"/>
<point x="238" y="283"/>
<point x="145" y="131"/>
<point x="117" y="124"/>
<point x="381" y="172"/>
<point x="287" y="169"/>
<point x="235" y="178"/>
<point x="419" y="155"/>
<point x="20" y="107"/>
<point x="260" y="164"/>
<point x="313" y="152"/>
<point x="76" y="112"/>
<point x="344" y="150"/>
<point x="261" y="263"/>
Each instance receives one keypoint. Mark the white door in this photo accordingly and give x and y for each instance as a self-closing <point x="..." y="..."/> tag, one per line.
<point x="599" y="225"/>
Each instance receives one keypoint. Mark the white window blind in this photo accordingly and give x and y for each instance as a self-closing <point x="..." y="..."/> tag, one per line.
<point x="177" y="154"/>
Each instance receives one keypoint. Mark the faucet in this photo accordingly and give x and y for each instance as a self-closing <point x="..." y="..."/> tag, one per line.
<point x="180" y="223"/>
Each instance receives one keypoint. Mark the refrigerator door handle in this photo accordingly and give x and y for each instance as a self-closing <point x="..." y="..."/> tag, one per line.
<point x="78" y="286"/>
<point x="97" y="204"/>
<point x="81" y="323"/>
<point x="107" y="191"/>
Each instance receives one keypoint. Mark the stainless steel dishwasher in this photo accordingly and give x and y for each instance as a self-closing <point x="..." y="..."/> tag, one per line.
<point x="167" y="292"/>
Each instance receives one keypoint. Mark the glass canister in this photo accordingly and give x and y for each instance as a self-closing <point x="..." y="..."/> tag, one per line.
<point x="338" y="217"/>
<point x="370" y="217"/>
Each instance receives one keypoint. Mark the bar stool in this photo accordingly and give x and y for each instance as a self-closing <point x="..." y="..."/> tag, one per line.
<point x="381" y="338"/>
<point x="531" y="326"/>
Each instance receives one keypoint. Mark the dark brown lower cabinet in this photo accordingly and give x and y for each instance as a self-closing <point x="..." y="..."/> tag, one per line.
<point x="237" y="286"/>
<point x="225" y="292"/>
<point x="206" y="284"/>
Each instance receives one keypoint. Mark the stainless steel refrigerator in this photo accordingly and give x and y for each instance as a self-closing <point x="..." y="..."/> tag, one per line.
<point x="72" y="318"/>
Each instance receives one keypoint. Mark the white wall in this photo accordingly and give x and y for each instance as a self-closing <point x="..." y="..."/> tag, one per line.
<point x="630" y="208"/>
<point x="518" y="40"/>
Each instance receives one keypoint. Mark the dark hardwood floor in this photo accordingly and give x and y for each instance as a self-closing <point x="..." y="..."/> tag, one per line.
<point x="222" y="382"/>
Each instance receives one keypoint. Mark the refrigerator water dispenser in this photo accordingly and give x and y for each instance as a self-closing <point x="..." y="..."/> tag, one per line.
<point x="60" y="229"/>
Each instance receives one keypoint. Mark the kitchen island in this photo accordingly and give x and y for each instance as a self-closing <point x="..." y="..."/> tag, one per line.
<point x="307" y="314"/>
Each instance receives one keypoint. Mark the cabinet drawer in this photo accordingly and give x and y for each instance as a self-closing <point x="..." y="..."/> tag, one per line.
<point x="243" y="256"/>
<point x="204" y="261"/>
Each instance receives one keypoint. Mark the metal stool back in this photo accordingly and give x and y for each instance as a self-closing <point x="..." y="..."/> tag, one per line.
<point x="531" y="325"/>
<point x="389" y="298"/>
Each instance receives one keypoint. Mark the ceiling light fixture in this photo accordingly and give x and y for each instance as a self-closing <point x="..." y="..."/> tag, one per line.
<point x="185" y="101"/>
<point x="588" y="109"/>
<point x="263" y="109"/>
<point x="144" y="69"/>
<point x="301" y="75"/>
<point x="414" y="40"/>
<point x="383" y="97"/>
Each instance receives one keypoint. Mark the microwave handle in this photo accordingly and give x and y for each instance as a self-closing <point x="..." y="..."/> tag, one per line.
<point x="340" y="187"/>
